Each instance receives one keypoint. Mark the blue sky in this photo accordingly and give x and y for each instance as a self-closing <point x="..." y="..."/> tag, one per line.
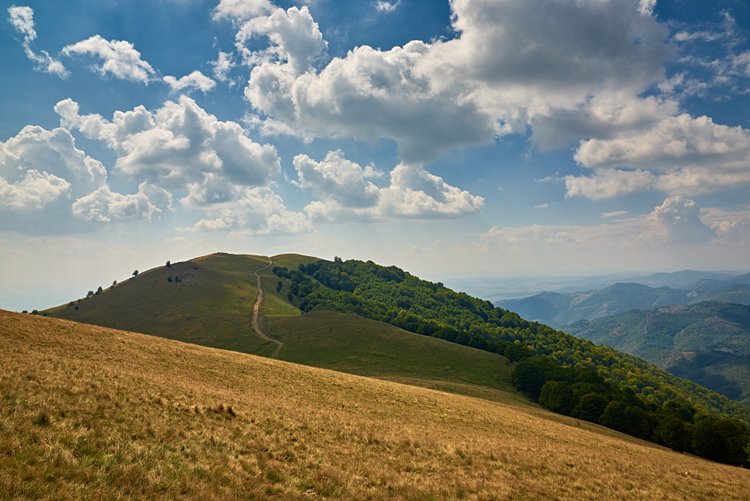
<point x="492" y="137"/>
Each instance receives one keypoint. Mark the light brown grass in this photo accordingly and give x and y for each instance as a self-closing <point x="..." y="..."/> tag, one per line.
<point x="130" y="415"/>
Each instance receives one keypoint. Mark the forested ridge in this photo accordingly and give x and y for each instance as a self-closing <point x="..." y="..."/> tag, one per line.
<point x="638" y="398"/>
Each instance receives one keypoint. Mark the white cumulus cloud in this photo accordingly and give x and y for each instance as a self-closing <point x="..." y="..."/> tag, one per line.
<point x="678" y="154"/>
<point x="501" y="74"/>
<point x="194" y="81"/>
<point x="118" y="58"/>
<point x="344" y="191"/>
<point x="104" y="205"/>
<point x="177" y="144"/>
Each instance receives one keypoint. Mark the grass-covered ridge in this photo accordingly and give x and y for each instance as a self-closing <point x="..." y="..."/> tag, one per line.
<point x="211" y="305"/>
<point x="88" y="412"/>
<point x="392" y="295"/>
<point x="205" y="301"/>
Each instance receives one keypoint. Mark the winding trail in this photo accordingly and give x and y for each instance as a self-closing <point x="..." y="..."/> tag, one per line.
<point x="255" y="324"/>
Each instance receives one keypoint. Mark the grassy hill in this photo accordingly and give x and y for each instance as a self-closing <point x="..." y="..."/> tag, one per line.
<point x="93" y="413"/>
<point x="708" y="342"/>
<point x="205" y="301"/>
<point x="211" y="306"/>
<point x="357" y="345"/>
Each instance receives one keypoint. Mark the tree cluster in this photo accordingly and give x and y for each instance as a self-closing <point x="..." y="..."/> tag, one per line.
<point x="583" y="394"/>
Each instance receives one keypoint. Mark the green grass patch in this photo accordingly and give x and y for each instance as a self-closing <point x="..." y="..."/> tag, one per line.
<point x="349" y="343"/>
<point x="208" y="302"/>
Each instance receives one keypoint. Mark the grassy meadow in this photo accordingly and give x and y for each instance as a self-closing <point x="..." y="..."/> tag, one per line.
<point x="93" y="413"/>
<point x="356" y="345"/>
<point x="210" y="305"/>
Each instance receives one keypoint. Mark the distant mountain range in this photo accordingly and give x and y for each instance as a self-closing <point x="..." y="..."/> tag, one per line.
<point x="559" y="309"/>
<point x="707" y="342"/>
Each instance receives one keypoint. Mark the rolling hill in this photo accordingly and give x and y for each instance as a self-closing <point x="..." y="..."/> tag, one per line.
<point x="707" y="342"/>
<point x="418" y="327"/>
<point x="208" y="300"/>
<point x="95" y="413"/>
<point x="560" y="309"/>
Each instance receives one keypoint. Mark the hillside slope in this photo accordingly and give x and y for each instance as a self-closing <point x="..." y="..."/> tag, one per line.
<point x="708" y="342"/>
<point x="211" y="306"/>
<point x="93" y="413"/>
<point x="205" y="301"/>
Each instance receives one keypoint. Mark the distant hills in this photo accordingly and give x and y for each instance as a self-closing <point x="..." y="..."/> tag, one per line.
<point x="707" y="342"/>
<point x="559" y="309"/>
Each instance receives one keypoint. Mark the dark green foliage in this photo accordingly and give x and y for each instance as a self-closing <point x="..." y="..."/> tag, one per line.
<point x="89" y="294"/>
<point x="135" y="273"/>
<point x="99" y="290"/>
<point x="531" y="375"/>
<point x="169" y="279"/>
<point x="279" y="286"/>
<point x="626" y="418"/>
<point x="674" y="433"/>
<point x="723" y="440"/>
<point x="590" y="407"/>
<point x="557" y="396"/>
<point x="168" y="265"/>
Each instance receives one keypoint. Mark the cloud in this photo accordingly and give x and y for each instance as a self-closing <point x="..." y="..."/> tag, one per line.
<point x="222" y="66"/>
<point x="238" y="10"/>
<point x="646" y="7"/>
<point x="118" y="58"/>
<point x="679" y="155"/>
<point x="194" y="81"/>
<point x="294" y="36"/>
<point x="608" y="183"/>
<point x="676" y="234"/>
<point x="22" y="19"/>
<point x="502" y="73"/>
<point x="46" y="182"/>
<point x="339" y="179"/>
<point x="35" y="190"/>
<point x="386" y="7"/>
<point x="613" y="214"/>
<point x="180" y="151"/>
<point x="252" y="211"/>
<point x="178" y="144"/>
<point x="344" y="191"/>
<point x="676" y="220"/>
<point x="104" y="205"/>
<point x="50" y="155"/>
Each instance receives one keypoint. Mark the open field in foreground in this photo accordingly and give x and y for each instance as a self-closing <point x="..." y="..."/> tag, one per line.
<point x="88" y="412"/>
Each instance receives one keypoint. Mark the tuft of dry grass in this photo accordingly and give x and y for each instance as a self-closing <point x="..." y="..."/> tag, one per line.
<point x="130" y="415"/>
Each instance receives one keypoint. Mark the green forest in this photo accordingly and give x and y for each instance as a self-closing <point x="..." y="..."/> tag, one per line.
<point x="632" y="388"/>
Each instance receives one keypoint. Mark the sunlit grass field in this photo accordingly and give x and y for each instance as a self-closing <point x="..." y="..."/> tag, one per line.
<point x="93" y="413"/>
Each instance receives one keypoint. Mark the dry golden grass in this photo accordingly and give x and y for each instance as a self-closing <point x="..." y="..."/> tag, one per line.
<point x="88" y="412"/>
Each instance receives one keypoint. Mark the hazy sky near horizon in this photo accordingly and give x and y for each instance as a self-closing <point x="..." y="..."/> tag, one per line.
<point x="503" y="137"/>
